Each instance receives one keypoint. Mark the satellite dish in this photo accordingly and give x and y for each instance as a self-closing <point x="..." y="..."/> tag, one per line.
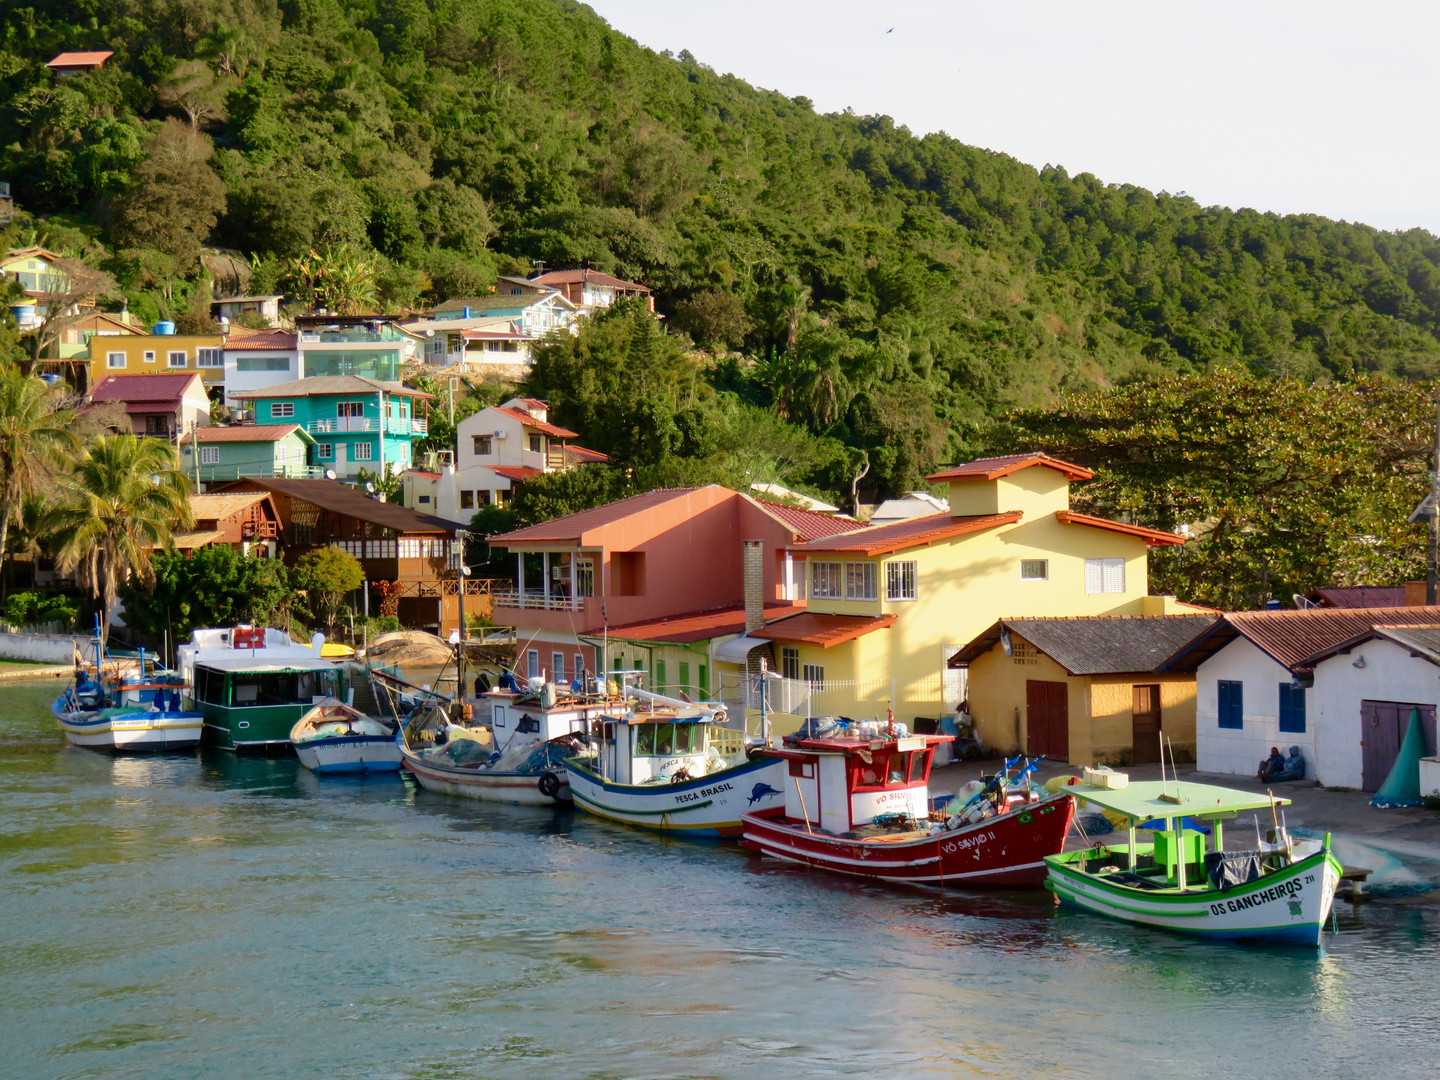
<point x="329" y="474"/>
<point x="369" y="487"/>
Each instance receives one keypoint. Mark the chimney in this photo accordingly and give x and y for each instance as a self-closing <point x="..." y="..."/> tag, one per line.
<point x="754" y="584"/>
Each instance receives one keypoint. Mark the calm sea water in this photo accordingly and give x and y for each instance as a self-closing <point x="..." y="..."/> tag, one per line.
<point x="203" y="916"/>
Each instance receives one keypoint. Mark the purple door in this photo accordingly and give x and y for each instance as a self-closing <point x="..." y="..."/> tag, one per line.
<point x="1382" y="729"/>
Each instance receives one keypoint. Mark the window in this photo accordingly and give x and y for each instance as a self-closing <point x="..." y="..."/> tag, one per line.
<point x="349" y="408"/>
<point x="815" y="675"/>
<point x="826" y="582"/>
<point x="704" y="680"/>
<point x="900" y="581"/>
<point x="324" y="451"/>
<point x="660" y="683"/>
<point x="1292" y="708"/>
<point x="579" y="669"/>
<point x="1104" y="575"/>
<point x="115" y="360"/>
<point x="364" y="451"/>
<point x="177" y="358"/>
<point x="149" y="356"/>
<point x="209" y="455"/>
<point x="425" y="500"/>
<point x="557" y="667"/>
<point x="467" y="500"/>
<point x="1037" y="570"/>
<point x="790" y="663"/>
<point x="281" y="409"/>
<point x="537" y="444"/>
<point x="262" y="363"/>
<point x="209" y="358"/>
<point x="584" y="577"/>
<point x="532" y="660"/>
<point x="482" y="444"/>
<point x="859" y="581"/>
<point x="685" y="677"/>
<point x="157" y="425"/>
<point x="1232" y="703"/>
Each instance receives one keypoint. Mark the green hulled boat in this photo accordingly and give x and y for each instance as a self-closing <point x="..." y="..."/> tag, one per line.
<point x="1270" y="886"/>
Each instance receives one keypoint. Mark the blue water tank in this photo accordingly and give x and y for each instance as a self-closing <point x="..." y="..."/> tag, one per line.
<point x="465" y="313"/>
<point x="164" y="327"/>
<point x="24" y="313"/>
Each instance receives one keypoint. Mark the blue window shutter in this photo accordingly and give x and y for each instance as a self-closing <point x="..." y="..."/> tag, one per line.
<point x="1231" y="703"/>
<point x="1292" y="709"/>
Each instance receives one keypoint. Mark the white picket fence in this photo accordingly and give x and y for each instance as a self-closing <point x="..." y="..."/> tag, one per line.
<point x="858" y="698"/>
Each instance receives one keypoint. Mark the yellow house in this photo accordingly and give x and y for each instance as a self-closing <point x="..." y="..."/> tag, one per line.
<point x="1086" y="690"/>
<point x="887" y="607"/>
<point x="151" y="354"/>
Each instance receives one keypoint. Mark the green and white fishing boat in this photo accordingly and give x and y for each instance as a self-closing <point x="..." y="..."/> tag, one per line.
<point x="1267" y="887"/>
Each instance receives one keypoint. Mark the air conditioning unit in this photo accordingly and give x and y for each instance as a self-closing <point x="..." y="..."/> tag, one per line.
<point x="502" y="434"/>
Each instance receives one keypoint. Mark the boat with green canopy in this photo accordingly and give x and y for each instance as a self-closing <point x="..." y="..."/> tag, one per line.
<point x="1269" y="887"/>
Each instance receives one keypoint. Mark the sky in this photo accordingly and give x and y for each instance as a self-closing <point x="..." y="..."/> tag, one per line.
<point x="1315" y="107"/>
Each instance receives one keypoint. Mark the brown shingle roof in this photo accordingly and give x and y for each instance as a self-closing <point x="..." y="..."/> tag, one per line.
<point x="817" y="628"/>
<point x="331" y="384"/>
<point x="572" y="526"/>
<point x="218" y="507"/>
<point x="79" y="59"/>
<point x="341" y="499"/>
<point x="1291" y="637"/>
<point x="992" y="468"/>
<point x="249" y="433"/>
<point x="916" y="532"/>
<point x="273" y="340"/>
<point x="1153" y="537"/>
<point x="1097" y="644"/>
<point x="595" y="277"/>
<point x="166" y="387"/>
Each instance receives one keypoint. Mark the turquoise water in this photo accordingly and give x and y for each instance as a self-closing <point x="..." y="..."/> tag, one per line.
<point x="203" y="916"/>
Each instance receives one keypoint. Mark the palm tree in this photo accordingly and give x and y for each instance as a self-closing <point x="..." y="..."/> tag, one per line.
<point x="34" y="431"/>
<point x="124" y="498"/>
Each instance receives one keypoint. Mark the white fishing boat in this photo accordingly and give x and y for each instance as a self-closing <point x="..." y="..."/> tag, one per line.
<point x="1276" y="888"/>
<point x="675" y="766"/>
<point x="123" y="706"/>
<point x="334" y="738"/>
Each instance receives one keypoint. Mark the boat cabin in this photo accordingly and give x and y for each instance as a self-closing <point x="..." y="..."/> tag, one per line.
<point x="525" y="718"/>
<point x="645" y="746"/>
<point x="844" y="784"/>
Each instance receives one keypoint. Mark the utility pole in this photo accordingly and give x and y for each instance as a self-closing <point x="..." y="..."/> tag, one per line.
<point x="1430" y="577"/>
<point x="460" y="598"/>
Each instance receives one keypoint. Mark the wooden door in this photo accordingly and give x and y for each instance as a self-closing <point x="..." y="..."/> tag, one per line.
<point x="1382" y="729"/>
<point x="1047" y="719"/>
<point x="1145" y="724"/>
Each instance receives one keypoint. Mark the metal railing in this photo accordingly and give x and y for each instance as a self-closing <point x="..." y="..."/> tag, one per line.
<point x="240" y="472"/>
<point x="538" y="601"/>
<point x="395" y="425"/>
<point x="858" y="698"/>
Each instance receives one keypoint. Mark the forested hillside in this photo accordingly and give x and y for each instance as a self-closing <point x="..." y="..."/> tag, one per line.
<point x="885" y="290"/>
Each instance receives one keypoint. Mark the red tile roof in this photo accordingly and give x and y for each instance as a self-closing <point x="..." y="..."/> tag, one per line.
<point x="808" y="524"/>
<point x="539" y="425"/>
<point x="1153" y="537"/>
<point x="572" y="526"/>
<point x="519" y="473"/>
<point x="695" y="626"/>
<point x="993" y="468"/>
<point x="915" y="532"/>
<point x="533" y="403"/>
<point x="144" y="408"/>
<point x="1361" y="596"/>
<point x="143" y="387"/>
<point x="586" y="456"/>
<point x="572" y="277"/>
<point x="247" y="433"/>
<point x="426" y="475"/>
<point x="79" y="59"/>
<point x="815" y="628"/>
<point x="273" y="340"/>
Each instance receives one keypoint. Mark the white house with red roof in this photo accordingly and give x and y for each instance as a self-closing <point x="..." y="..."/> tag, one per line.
<point x="498" y="449"/>
<point x="161" y="405"/>
<point x="589" y="290"/>
<point x="254" y="361"/>
<point x="480" y="345"/>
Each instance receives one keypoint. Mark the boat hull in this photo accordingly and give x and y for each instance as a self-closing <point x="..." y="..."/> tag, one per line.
<point x="1005" y="851"/>
<point x="489" y="785"/>
<point x="350" y="754"/>
<point x="708" y="806"/>
<point x="1285" y="905"/>
<point x="261" y="730"/>
<point x="132" y="731"/>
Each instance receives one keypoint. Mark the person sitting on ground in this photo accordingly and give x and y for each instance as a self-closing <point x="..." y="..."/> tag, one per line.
<point x="1271" y="765"/>
<point x="1293" y="767"/>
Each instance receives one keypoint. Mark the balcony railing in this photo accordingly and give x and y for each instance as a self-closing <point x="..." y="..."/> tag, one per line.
<point x="538" y="601"/>
<point x="213" y="473"/>
<point x="394" y="425"/>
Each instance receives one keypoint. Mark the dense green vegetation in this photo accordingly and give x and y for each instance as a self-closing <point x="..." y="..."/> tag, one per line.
<point x="885" y="291"/>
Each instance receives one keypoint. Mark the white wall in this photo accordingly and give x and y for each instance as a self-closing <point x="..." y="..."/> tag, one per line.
<point x="237" y="380"/>
<point x="1390" y="674"/>
<point x="49" y="648"/>
<point x="1240" y="751"/>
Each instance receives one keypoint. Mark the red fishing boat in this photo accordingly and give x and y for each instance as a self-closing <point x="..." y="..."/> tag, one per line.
<point x="861" y="806"/>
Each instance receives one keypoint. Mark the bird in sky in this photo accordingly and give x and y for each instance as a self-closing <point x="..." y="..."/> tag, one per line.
<point x="890" y="31"/>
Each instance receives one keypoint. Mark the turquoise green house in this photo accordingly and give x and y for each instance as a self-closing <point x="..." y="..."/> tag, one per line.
<point x="355" y="422"/>
<point x="256" y="450"/>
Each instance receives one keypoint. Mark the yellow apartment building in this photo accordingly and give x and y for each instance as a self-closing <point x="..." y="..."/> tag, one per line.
<point x="887" y="607"/>
<point x="157" y="354"/>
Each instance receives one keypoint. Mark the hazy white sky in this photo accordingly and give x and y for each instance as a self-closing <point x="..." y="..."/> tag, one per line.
<point x="1314" y="106"/>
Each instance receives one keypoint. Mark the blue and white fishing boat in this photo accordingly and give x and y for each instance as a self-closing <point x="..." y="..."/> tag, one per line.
<point x="128" y="709"/>
<point x="334" y="738"/>
<point x="676" y="767"/>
